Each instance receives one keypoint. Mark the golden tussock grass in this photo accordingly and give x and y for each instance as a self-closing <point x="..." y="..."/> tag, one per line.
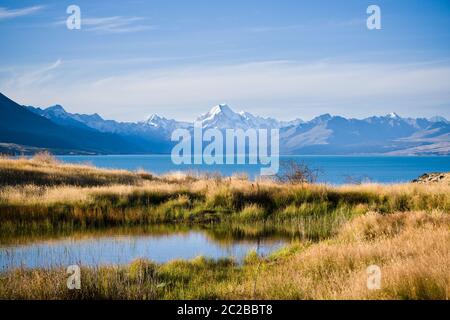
<point x="410" y="248"/>
<point x="107" y="200"/>
<point x="43" y="169"/>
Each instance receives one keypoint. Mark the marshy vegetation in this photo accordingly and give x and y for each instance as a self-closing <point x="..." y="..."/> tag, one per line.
<point x="410" y="248"/>
<point x="140" y="198"/>
<point x="340" y="230"/>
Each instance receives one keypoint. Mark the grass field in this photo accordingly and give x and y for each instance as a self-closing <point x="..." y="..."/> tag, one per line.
<point x="404" y="229"/>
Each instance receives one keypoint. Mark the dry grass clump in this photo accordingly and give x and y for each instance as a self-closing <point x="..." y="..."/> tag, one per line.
<point x="252" y="212"/>
<point x="376" y="226"/>
<point x="32" y="194"/>
<point x="45" y="170"/>
<point x="412" y="250"/>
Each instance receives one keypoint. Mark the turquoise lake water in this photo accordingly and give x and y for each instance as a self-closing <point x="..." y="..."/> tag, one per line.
<point x="333" y="169"/>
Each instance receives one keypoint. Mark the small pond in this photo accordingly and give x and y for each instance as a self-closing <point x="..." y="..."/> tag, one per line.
<point x="117" y="249"/>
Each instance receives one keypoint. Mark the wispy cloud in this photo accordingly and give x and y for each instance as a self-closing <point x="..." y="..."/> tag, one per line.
<point x="258" y="29"/>
<point x="272" y="88"/>
<point x="35" y="76"/>
<point x="113" y="24"/>
<point x="330" y="24"/>
<point x="6" y="13"/>
<point x="116" y="24"/>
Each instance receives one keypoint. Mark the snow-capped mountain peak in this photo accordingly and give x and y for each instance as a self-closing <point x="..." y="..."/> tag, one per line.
<point x="155" y="120"/>
<point x="223" y="117"/>
<point x="221" y="108"/>
<point x="221" y="111"/>
<point x="154" y="116"/>
<point x="393" y="115"/>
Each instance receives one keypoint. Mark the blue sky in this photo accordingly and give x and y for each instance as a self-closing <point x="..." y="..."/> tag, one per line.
<point x="284" y="59"/>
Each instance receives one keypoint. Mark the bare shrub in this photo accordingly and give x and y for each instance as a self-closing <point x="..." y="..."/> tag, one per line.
<point x="296" y="173"/>
<point x="45" y="157"/>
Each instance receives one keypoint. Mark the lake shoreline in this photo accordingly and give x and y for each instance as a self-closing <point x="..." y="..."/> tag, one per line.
<point x="332" y="169"/>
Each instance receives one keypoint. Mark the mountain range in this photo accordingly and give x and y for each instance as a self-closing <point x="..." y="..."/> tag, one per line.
<point x="27" y="129"/>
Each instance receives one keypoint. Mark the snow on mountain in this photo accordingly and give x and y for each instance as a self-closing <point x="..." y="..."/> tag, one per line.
<point x="325" y="134"/>
<point x="223" y="117"/>
<point x="393" y="115"/>
<point x="438" y="119"/>
<point x="260" y="122"/>
<point x="161" y="123"/>
<point x="295" y="122"/>
<point x="156" y="120"/>
<point x="153" y="125"/>
<point x="220" y="116"/>
<point x="321" y="119"/>
<point x="56" y="110"/>
<point x="58" y="115"/>
<point x="328" y="134"/>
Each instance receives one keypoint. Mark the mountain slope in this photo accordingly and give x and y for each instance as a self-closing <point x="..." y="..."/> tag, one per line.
<point x="18" y="125"/>
<point x="387" y="134"/>
<point x="143" y="138"/>
<point x="155" y="125"/>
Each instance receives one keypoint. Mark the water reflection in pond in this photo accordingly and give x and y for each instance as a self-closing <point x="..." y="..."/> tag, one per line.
<point x="112" y="247"/>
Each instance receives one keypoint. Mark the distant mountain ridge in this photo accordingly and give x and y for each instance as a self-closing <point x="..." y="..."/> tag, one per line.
<point x="325" y="134"/>
<point x="22" y="130"/>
